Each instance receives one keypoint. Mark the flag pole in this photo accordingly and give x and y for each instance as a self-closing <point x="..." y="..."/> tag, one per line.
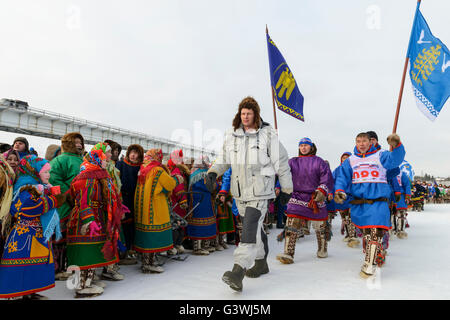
<point x="400" y="95"/>
<point x="273" y="97"/>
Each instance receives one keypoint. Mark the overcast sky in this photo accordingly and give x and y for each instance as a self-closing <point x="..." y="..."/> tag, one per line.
<point x="165" y="67"/>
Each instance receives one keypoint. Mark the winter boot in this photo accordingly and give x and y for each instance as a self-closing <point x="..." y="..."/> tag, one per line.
<point x="86" y="289"/>
<point x="111" y="273"/>
<point x="260" y="267"/>
<point x="292" y="227"/>
<point x="222" y="241"/>
<point x="35" y="296"/>
<point x="180" y="249"/>
<point x="234" y="277"/>
<point x="373" y="243"/>
<point x="321" y="242"/>
<point x="218" y="245"/>
<point x="173" y="251"/>
<point x="149" y="264"/>
<point x="209" y="245"/>
<point x="401" y="225"/>
<point x="198" y="250"/>
<point x="128" y="259"/>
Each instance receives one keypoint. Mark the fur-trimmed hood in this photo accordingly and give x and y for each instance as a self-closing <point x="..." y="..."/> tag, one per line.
<point x="51" y="152"/>
<point x="68" y="142"/>
<point x="138" y="148"/>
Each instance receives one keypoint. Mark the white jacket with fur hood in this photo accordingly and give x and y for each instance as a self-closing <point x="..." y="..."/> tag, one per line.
<point x="255" y="157"/>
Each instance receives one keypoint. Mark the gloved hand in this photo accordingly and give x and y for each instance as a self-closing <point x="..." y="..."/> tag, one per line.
<point x="407" y="198"/>
<point x="284" y="198"/>
<point x="398" y="197"/>
<point x="319" y="196"/>
<point x="210" y="181"/>
<point x="393" y="140"/>
<point x="94" y="229"/>
<point x="60" y="199"/>
<point x="340" y="197"/>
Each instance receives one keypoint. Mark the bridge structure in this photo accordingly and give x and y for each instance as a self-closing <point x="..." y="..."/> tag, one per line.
<point x="48" y="124"/>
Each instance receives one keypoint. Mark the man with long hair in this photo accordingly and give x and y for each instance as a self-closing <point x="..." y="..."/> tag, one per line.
<point x="251" y="148"/>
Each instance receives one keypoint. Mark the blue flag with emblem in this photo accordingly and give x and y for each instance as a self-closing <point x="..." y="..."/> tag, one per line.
<point x="406" y="167"/>
<point x="286" y="93"/>
<point x="429" y="68"/>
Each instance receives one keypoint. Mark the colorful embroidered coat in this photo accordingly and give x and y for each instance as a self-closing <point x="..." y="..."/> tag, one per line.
<point x="27" y="262"/>
<point x="83" y="250"/>
<point x="364" y="175"/>
<point x="151" y="212"/>
<point x="202" y="221"/>
<point x="178" y="197"/>
<point x="309" y="173"/>
<point x="225" y="222"/>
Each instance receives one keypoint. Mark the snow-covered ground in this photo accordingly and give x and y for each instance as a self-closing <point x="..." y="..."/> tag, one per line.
<point x="416" y="268"/>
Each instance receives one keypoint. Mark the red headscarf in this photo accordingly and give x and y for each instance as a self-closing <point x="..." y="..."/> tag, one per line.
<point x="153" y="158"/>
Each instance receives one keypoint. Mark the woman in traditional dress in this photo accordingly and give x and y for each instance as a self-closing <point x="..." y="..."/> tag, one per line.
<point x="151" y="209"/>
<point x="179" y="198"/>
<point x="94" y="223"/>
<point x="27" y="265"/>
<point x="202" y="222"/>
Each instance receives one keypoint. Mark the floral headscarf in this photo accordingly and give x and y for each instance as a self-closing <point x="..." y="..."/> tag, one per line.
<point x="28" y="171"/>
<point x="153" y="158"/>
<point x="201" y="162"/>
<point x="93" y="160"/>
<point x="28" y="174"/>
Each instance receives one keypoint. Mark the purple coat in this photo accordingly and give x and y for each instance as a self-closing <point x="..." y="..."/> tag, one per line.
<point x="308" y="174"/>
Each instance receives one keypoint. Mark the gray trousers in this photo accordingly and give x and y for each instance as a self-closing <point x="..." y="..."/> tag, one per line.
<point x="253" y="244"/>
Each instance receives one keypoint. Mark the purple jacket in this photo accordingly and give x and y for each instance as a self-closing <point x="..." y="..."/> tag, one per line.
<point x="308" y="174"/>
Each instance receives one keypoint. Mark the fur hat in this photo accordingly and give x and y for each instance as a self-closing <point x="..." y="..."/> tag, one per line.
<point x="114" y="145"/>
<point x="52" y="151"/>
<point x="68" y="142"/>
<point x="138" y="148"/>
<point x="25" y="141"/>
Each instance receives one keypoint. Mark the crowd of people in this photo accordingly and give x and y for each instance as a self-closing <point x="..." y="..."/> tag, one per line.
<point x="97" y="210"/>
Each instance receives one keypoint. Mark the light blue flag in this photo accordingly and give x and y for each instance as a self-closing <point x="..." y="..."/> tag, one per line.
<point x="429" y="68"/>
<point x="406" y="167"/>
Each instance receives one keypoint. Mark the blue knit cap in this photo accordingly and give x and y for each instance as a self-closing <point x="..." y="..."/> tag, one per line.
<point x="305" y="140"/>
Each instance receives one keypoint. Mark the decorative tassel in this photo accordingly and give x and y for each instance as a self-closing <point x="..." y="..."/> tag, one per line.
<point x="313" y="205"/>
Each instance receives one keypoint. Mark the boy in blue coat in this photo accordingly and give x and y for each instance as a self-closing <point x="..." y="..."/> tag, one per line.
<point x="365" y="174"/>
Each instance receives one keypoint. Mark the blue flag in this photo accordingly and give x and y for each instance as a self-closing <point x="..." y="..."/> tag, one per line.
<point x="429" y="68"/>
<point x="286" y="93"/>
<point x="406" y="167"/>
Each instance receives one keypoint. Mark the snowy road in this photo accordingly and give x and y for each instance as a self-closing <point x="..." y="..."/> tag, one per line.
<point x="416" y="268"/>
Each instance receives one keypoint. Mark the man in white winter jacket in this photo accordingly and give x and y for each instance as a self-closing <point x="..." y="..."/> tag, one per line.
<point x="255" y="155"/>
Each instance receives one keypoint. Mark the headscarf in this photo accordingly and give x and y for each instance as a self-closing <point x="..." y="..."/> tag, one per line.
<point x="7" y="177"/>
<point x="28" y="174"/>
<point x="153" y="158"/>
<point x="28" y="171"/>
<point x="93" y="160"/>
<point x="201" y="162"/>
<point x="7" y="153"/>
<point x="176" y="158"/>
<point x="91" y="168"/>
